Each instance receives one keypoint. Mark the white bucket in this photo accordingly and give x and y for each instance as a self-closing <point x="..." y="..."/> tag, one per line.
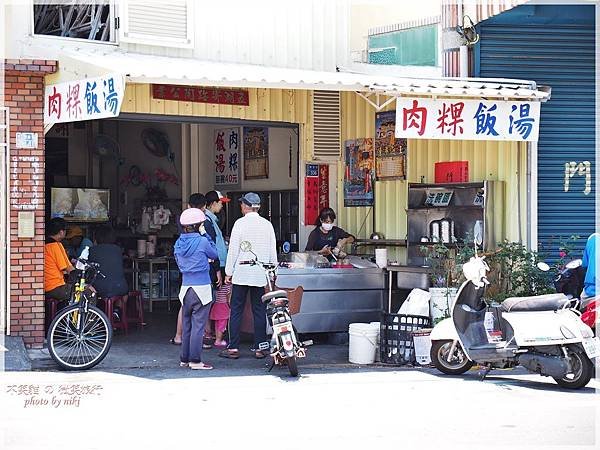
<point x="363" y="343"/>
<point x="377" y="326"/>
<point x="381" y="257"/>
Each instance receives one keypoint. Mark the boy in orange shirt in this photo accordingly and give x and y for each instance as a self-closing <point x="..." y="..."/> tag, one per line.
<point x="56" y="262"/>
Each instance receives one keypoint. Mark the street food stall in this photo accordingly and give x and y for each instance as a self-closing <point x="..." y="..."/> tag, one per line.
<point x="334" y="295"/>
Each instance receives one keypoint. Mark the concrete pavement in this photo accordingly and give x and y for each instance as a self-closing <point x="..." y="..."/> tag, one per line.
<point x="324" y="408"/>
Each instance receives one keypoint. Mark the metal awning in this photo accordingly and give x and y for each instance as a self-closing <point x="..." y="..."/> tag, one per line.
<point x="142" y="68"/>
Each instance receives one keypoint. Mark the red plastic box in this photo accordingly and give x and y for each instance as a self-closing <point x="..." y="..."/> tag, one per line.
<point x="452" y="172"/>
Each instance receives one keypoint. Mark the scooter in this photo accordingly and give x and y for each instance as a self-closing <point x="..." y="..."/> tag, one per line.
<point x="540" y="333"/>
<point x="285" y="346"/>
<point x="569" y="281"/>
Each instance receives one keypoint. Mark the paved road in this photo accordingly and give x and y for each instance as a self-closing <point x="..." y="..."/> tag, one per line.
<point x="334" y="409"/>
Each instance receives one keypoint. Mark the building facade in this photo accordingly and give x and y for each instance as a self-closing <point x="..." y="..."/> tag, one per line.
<point x="291" y="82"/>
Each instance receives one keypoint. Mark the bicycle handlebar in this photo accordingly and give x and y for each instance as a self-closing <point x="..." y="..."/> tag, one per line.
<point x="253" y="262"/>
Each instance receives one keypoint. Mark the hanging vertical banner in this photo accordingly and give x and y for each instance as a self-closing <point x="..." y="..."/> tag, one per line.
<point x="87" y="99"/>
<point x="226" y="144"/>
<point x="390" y="151"/>
<point x="311" y="194"/>
<point x="489" y="120"/>
<point x="316" y="191"/>
<point x="323" y="186"/>
<point x="359" y="172"/>
<point x="256" y="152"/>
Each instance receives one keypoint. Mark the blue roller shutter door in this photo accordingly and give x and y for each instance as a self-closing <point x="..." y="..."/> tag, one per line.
<point x="561" y="56"/>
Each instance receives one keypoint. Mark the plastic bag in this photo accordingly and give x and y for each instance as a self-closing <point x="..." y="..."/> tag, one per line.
<point x="416" y="304"/>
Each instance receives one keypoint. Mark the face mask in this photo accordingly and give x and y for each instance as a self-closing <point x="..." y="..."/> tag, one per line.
<point x="201" y="229"/>
<point x="327" y="226"/>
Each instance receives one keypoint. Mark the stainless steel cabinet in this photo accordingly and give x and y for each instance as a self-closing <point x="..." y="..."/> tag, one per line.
<point x="470" y="205"/>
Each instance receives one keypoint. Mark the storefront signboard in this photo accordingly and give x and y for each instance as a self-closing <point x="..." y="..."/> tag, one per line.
<point x="238" y="97"/>
<point x="87" y="99"/>
<point x="256" y="153"/>
<point x="359" y="172"/>
<point x="227" y="145"/>
<point x="390" y="151"/>
<point x="316" y="191"/>
<point x="489" y="120"/>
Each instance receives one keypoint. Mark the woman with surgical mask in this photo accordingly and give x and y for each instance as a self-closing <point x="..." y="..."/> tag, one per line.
<point x="326" y="238"/>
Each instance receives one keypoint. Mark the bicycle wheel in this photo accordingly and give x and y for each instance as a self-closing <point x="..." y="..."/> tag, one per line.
<point x="79" y="351"/>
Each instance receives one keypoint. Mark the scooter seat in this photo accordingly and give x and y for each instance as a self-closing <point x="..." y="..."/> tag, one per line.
<point x="549" y="302"/>
<point x="273" y="294"/>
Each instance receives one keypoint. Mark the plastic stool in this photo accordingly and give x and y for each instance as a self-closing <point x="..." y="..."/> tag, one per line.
<point x="135" y="315"/>
<point x="109" y="308"/>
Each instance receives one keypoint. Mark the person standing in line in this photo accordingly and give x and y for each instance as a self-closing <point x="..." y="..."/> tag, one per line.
<point x="198" y="201"/>
<point x="193" y="250"/>
<point x="247" y="278"/>
<point x="219" y="314"/>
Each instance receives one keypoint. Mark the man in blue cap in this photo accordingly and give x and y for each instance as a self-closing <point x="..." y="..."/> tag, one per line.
<point x="247" y="278"/>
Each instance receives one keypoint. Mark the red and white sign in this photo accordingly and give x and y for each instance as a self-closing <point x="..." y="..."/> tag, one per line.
<point x="316" y="191"/>
<point x="227" y="146"/>
<point x="87" y="99"/>
<point x="489" y="120"/>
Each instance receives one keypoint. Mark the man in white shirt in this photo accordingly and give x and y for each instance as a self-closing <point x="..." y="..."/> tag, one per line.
<point x="247" y="278"/>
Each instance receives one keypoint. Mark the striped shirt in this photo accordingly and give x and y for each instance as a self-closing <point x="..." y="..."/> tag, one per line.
<point x="223" y="294"/>
<point x="259" y="232"/>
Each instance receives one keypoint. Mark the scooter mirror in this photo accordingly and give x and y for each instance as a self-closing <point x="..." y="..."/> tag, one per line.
<point x="543" y="266"/>
<point x="574" y="264"/>
<point x="245" y="246"/>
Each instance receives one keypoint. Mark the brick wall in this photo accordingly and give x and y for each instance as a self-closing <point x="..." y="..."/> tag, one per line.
<point x="24" y="96"/>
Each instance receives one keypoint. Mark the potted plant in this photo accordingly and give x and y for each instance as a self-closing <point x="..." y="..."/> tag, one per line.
<point x="445" y="262"/>
<point x="514" y="271"/>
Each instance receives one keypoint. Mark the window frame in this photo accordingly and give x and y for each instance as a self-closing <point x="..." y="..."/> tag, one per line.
<point x="112" y="18"/>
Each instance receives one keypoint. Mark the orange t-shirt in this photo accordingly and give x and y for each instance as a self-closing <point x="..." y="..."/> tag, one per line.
<point x="55" y="261"/>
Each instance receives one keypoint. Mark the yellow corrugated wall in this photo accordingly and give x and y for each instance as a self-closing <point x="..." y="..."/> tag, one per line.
<point x="489" y="160"/>
<point x="281" y="105"/>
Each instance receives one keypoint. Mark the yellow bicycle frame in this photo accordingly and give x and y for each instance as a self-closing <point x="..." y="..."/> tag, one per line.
<point x="79" y="288"/>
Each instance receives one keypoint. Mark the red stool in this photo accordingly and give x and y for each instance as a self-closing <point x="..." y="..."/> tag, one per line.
<point x="51" y="305"/>
<point x="135" y="315"/>
<point x="109" y="308"/>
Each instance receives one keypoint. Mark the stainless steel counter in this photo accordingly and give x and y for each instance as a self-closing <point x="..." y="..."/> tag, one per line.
<point x="334" y="298"/>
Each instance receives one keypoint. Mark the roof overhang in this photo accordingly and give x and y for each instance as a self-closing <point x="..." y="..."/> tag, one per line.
<point x="377" y="89"/>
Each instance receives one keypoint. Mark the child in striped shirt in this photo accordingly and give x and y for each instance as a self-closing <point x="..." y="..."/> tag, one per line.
<point x="219" y="314"/>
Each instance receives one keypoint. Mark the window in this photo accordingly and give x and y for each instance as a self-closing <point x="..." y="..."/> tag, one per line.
<point x="92" y="22"/>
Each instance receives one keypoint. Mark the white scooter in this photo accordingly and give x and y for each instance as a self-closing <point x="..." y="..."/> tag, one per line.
<point x="541" y="333"/>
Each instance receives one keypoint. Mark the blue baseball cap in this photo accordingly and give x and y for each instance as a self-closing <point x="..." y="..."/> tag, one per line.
<point x="250" y="199"/>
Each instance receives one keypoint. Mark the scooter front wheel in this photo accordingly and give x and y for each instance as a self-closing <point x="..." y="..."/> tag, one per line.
<point x="581" y="374"/>
<point x="292" y="365"/>
<point x="456" y="364"/>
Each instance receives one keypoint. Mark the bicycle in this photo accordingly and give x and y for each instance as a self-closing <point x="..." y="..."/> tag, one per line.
<point x="80" y="335"/>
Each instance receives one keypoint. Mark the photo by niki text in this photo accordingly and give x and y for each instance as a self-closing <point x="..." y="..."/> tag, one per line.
<point x="53" y="395"/>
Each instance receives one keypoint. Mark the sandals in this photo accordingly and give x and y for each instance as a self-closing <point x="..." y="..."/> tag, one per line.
<point x="229" y="354"/>
<point x="220" y="344"/>
<point x="200" y="366"/>
<point x="206" y="346"/>
<point x="172" y="341"/>
<point x="259" y="354"/>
